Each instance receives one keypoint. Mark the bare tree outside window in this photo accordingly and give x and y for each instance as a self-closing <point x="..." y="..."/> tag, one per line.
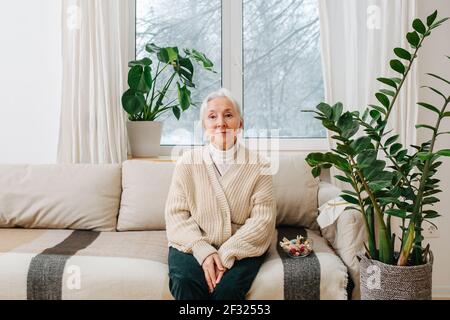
<point x="281" y="52"/>
<point x="186" y="24"/>
<point x="282" y="67"/>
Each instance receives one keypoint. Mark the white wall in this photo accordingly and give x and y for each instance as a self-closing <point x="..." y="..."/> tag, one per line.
<point x="432" y="60"/>
<point x="30" y="80"/>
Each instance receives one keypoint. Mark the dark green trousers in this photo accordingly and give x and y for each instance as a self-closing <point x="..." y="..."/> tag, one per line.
<point x="187" y="280"/>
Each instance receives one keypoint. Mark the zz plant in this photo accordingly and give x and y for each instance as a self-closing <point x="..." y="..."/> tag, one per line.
<point x="145" y="98"/>
<point x="401" y="186"/>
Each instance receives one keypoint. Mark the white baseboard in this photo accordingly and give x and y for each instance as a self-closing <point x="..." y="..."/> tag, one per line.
<point x="441" y="292"/>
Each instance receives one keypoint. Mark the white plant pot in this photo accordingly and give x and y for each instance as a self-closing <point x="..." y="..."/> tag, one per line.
<point x="145" y="138"/>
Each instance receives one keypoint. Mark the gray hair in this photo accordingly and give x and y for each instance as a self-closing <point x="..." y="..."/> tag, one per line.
<point x="222" y="92"/>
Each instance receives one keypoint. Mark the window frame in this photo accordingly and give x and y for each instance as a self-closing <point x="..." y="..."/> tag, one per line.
<point x="232" y="75"/>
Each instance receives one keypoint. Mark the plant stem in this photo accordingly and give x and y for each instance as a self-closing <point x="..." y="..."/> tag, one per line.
<point x="371" y="236"/>
<point x="400" y="85"/>
<point x="384" y="238"/>
<point x="416" y="221"/>
<point x="153" y="90"/>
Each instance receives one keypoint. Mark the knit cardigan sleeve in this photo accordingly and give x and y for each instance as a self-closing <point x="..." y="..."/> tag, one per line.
<point x="255" y="235"/>
<point x="182" y="230"/>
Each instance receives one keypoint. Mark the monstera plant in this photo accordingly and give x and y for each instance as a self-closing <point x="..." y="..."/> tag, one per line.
<point x="386" y="180"/>
<point x="145" y="98"/>
<point x="150" y="93"/>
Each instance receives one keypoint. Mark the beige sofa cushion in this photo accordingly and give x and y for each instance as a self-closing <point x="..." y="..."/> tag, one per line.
<point x="296" y="192"/>
<point x="145" y="187"/>
<point x="60" y="196"/>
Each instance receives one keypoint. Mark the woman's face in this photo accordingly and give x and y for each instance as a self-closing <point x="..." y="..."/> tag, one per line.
<point x="221" y="122"/>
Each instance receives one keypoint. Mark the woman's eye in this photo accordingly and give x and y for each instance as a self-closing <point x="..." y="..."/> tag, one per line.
<point x="212" y="117"/>
<point x="229" y="115"/>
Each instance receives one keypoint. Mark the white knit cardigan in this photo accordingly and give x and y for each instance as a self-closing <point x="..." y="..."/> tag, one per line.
<point x="233" y="215"/>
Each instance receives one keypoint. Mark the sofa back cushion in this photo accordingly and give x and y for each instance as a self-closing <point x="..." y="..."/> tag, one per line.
<point x="146" y="183"/>
<point x="60" y="196"/>
<point x="296" y="192"/>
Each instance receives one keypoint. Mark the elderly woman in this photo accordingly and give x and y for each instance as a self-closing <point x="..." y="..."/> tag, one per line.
<point x="220" y="212"/>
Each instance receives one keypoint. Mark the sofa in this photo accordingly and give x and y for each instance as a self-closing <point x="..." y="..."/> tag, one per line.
<point x="82" y="231"/>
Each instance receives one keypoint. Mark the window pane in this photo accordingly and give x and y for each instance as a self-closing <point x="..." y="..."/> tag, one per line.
<point x="193" y="24"/>
<point x="282" y="67"/>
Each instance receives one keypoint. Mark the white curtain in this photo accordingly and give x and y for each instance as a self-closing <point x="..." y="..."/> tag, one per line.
<point x="357" y="40"/>
<point x="95" y="52"/>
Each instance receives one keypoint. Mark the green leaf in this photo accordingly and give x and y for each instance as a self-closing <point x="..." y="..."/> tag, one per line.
<point x="438" y="23"/>
<point x="430" y="200"/>
<point x="444" y="152"/>
<point x="136" y="79"/>
<point x="184" y="97"/>
<point x="436" y="91"/>
<point x="342" y="178"/>
<point x="361" y="144"/>
<point x="438" y="77"/>
<point x="176" y="112"/>
<point x="383" y="99"/>
<point x="351" y="193"/>
<point x="396" y="65"/>
<point x="387" y="81"/>
<point x="347" y="125"/>
<point x="424" y="155"/>
<point x="167" y="55"/>
<point x="419" y="26"/>
<point x="429" y="193"/>
<point x="396" y="80"/>
<point x="388" y="200"/>
<point x="388" y="92"/>
<point x="143" y="62"/>
<point x="413" y="38"/>
<point x="337" y="111"/>
<point x="378" y="108"/>
<point x="151" y="48"/>
<point x="378" y="185"/>
<point x="349" y="199"/>
<point x="133" y="102"/>
<point x="429" y="107"/>
<point x="345" y="149"/>
<point x="395" y="148"/>
<point x="202" y="59"/>
<point x="424" y="126"/>
<point x="316" y="172"/>
<point x="375" y="115"/>
<point x="365" y="114"/>
<point x="375" y="171"/>
<point x="431" y="18"/>
<point x="391" y="140"/>
<point x="431" y="215"/>
<point x="366" y="158"/>
<point x="148" y="77"/>
<point x="402" y="53"/>
<point x="185" y="69"/>
<point x="401" y="154"/>
<point x="396" y="212"/>
<point x="325" y="109"/>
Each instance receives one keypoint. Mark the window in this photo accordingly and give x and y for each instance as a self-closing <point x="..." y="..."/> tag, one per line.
<point x="266" y="51"/>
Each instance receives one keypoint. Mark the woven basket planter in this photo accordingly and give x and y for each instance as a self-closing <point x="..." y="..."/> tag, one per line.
<point x="380" y="281"/>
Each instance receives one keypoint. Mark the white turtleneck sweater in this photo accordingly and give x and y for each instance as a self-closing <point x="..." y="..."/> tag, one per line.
<point x="223" y="158"/>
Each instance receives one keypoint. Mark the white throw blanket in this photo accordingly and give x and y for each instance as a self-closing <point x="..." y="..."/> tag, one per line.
<point x="330" y="211"/>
